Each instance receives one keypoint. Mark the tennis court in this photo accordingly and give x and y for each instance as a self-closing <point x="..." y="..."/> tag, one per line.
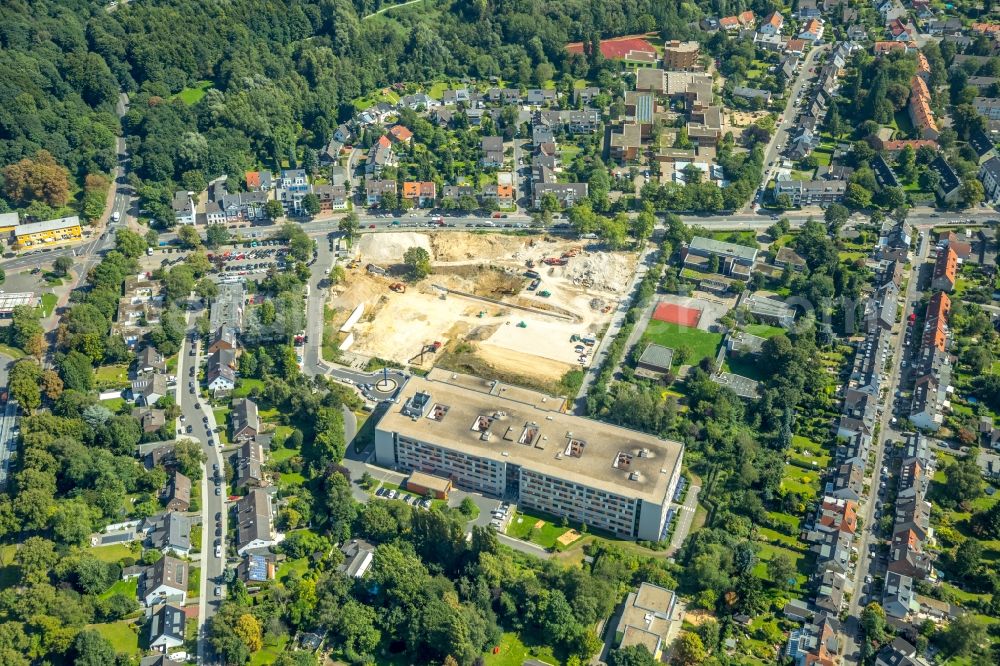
<point x="672" y="313"/>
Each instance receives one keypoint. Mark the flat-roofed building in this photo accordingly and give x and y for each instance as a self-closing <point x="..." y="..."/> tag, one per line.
<point x="49" y="232"/>
<point x="518" y="445"/>
<point x="651" y="617"/>
<point x="10" y="301"/>
<point x="655" y="361"/>
<point x="421" y="483"/>
<point x="734" y="260"/>
<point x="8" y="222"/>
<point x="679" y="55"/>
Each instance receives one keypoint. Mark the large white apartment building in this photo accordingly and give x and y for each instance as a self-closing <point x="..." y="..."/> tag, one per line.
<point x="510" y="442"/>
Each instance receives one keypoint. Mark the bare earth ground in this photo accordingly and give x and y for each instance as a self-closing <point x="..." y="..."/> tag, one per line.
<point x="397" y="326"/>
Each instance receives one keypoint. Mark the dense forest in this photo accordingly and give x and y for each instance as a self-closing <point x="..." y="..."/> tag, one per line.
<point x="280" y="75"/>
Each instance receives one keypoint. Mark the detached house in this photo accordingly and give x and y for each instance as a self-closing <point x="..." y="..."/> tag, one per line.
<point x="246" y="422"/>
<point x="375" y="190"/>
<point x="166" y="628"/>
<point x="420" y="193"/>
<point x="254" y="528"/>
<point x="492" y="147"/>
<point x="150" y="360"/>
<point x="379" y="157"/>
<point x="178" y="493"/>
<point x="165" y="581"/>
<point x="772" y="25"/>
<point x="183" y="207"/>
<point x="146" y="390"/>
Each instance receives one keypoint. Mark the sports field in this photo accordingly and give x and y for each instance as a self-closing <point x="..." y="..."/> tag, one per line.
<point x="698" y="343"/>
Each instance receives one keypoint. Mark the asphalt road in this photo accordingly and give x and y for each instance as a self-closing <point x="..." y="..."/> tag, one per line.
<point x="212" y="504"/>
<point x="8" y="422"/>
<point x="782" y="131"/>
<point x="887" y="432"/>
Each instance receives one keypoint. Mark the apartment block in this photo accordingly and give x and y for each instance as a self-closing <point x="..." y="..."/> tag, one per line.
<point x="515" y="443"/>
<point x="679" y="55"/>
<point x="47" y="233"/>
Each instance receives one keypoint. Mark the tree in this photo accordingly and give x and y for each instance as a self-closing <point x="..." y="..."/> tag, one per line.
<point x="52" y="385"/>
<point x="835" y="216"/>
<point x="986" y="524"/>
<point x="906" y="164"/>
<point x="92" y="649"/>
<point x="349" y="224"/>
<point x="418" y="263"/>
<point x="633" y="655"/>
<point x="964" y="481"/>
<point x="971" y="192"/>
<point x="781" y="569"/>
<point x="968" y="558"/>
<point x="310" y="204"/>
<point x="688" y="650"/>
<point x="247" y="628"/>
<point x="273" y="210"/>
<point x="929" y="180"/>
<point x="964" y="636"/>
<point x="216" y="235"/>
<point x="25" y="377"/>
<point x="857" y="197"/>
<point x="37" y="179"/>
<point x="188" y="236"/>
<point x="62" y="265"/>
<point x="130" y="244"/>
<point x="873" y="622"/>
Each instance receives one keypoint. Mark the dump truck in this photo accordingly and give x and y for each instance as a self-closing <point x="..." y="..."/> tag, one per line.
<point x="532" y="274"/>
<point x="534" y="284"/>
<point x="398" y="287"/>
<point x="554" y="261"/>
<point x="544" y="293"/>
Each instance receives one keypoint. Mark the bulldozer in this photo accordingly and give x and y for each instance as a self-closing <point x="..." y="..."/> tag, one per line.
<point x="398" y="287"/>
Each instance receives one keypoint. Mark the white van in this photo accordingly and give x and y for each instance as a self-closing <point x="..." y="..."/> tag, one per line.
<point x="218" y="552"/>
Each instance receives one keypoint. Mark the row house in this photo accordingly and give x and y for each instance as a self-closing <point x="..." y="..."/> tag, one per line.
<point x="420" y="193"/>
<point x="376" y="190"/>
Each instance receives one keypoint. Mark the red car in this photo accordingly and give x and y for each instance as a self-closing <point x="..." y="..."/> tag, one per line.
<point x="371" y="226"/>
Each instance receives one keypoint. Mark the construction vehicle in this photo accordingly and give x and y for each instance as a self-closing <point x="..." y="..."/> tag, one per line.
<point x="432" y="348"/>
<point x="482" y="313"/>
<point x="522" y="324"/>
<point x="534" y="284"/>
<point x="555" y="261"/>
<point x="544" y="293"/>
<point x="398" y="287"/>
<point x="532" y="274"/>
<point x="574" y="338"/>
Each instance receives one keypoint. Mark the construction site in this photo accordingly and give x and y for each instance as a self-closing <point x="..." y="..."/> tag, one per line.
<point x="525" y="309"/>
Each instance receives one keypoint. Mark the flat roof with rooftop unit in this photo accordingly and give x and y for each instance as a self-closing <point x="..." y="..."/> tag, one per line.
<point x="502" y="446"/>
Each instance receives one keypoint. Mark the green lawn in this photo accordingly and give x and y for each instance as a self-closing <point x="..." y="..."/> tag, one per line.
<point x="784" y="518"/>
<point x="437" y="90"/>
<point x="122" y="635"/>
<point x="13" y="352"/>
<point x="114" y="404"/>
<point x="803" y="563"/>
<point x="299" y="566"/>
<point x="111" y="376"/>
<point x="764" y="330"/>
<point x="522" y="526"/>
<point x="514" y="652"/>
<point x="194" y="94"/>
<point x="112" y="553"/>
<point x="269" y="653"/>
<point x="282" y="455"/>
<point x="745" y="366"/>
<point x="700" y="344"/>
<point x="803" y="482"/>
<point x="194" y="581"/>
<point x="127" y="587"/>
<point x="247" y="385"/>
<point x="49" y="301"/>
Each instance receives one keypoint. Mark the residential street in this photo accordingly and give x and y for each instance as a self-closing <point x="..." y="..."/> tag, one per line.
<point x="211" y="504"/>
<point x="803" y="79"/>
<point x="887" y="431"/>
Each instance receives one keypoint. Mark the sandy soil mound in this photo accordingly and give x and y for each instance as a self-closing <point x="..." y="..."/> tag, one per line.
<point x="459" y="246"/>
<point x="389" y="248"/>
<point x="603" y="270"/>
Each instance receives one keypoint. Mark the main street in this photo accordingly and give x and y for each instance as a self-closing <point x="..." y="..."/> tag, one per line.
<point x="200" y="417"/>
<point x="887" y="432"/>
